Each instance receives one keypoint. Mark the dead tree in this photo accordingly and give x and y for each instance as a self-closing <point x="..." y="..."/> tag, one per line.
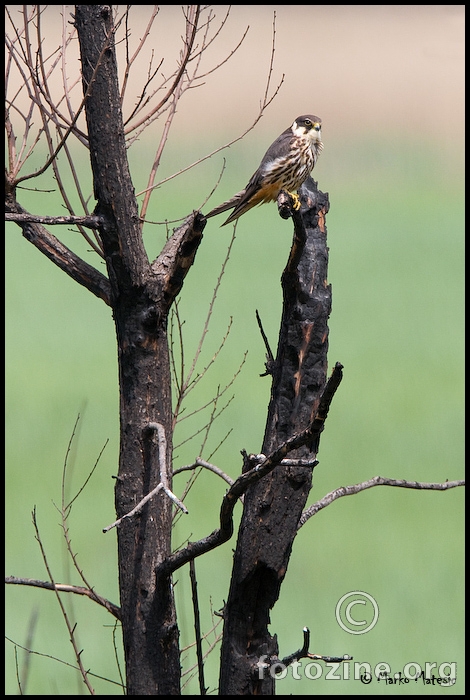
<point x="274" y="505"/>
<point x="140" y="293"/>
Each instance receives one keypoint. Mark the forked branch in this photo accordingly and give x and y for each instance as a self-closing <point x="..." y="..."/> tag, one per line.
<point x="261" y="465"/>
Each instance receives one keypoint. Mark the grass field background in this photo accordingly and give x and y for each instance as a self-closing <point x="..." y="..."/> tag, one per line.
<point x="395" y="233"/>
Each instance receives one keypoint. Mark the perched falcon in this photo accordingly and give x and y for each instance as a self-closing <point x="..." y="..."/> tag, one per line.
<point x="285" y="166"/>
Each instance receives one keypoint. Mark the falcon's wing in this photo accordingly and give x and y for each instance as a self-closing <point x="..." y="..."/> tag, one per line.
<point x="254" y="193"/>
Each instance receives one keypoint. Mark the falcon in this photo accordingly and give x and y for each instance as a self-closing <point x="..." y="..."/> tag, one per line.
<point x="285" y="166"/>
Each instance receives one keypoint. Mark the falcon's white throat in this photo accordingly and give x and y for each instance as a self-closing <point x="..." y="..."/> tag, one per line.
<point x="313" y="134"/>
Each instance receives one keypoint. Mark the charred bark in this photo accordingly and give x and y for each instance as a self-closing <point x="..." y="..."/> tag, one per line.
<point x="141" y="295"/>
<point x="273" y="506"/>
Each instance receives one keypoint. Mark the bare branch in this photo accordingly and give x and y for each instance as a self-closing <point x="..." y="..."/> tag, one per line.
<point x="174" y="92"/>
<point x="140" y="102"/>
<point x="161" y="146"/>
<point x="130" y="61"/>
<point x="197" y="627"/>
<point x="257" y="466"/>
<point x="65" y="663"/>
<point x="192" y="382"/>
<point x="214" y="415"/>
<point x="214" y="400"/>
<point x="67" y="588"/>
<point x="191" y="27"/>
<point x="64" y="511"/>
<point x="150" y="430"/>
<point x="64" y="138"/>
<point x="269" y="355"/>
<point x="145" y="499"/>
<point x="63" y="257"/>
<point x="56" y="126"/>
<point x="267" y="100"/>
<point x="375" y="481"/>
<point x="66" y="37"/>
<point x="199" y="76"/>
<point x="215" y="624"/>
<point x="207" y="465"/>
<point x="217" y="470"/>
<point x="272" y="661"/>
<point x="221" y="442"/>
<point x="177" y="255"/>
<point x="23" y="680"/>
<point x="179" y="418"/>
<point x="70" y="627"/>
<point x="92" y="221"/>
<point x="264" y="104"/>
<point x="137" y="509"/>
<point x="302" y="653"/>
<point x="186" y="383"/>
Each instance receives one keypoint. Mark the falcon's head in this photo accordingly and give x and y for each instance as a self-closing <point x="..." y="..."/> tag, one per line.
<point x="308" y="126"/>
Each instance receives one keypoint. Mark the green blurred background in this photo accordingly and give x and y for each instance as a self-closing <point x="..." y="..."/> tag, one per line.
<point x="387" y="81"/>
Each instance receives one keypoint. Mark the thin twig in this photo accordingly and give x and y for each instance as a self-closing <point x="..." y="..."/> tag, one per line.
<point x="70" y="627"/>
<point x="116" y="655"/>
<point x="264" y="104"/>
<point x="115" y="610"/>
<point x="192" y="383"/>
<point x="207" y="465"/>
<point x="208" y="425"/>
<point x="161" y="146"/>
<point x="130" y="61"/>
<point x="375" y="481"/>
<point x="211" y="645"/>
<point x="29" y="643"/>
<point x="64" y="138"/>
<point x="191" y="27"/>
<point x="189" y="378"/>
<point x="65" y="510"/>
<point x="60" y="661"/>
<point x="258" y="467"/>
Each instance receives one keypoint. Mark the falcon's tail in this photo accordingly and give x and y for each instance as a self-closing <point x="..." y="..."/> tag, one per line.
<point x="229" y="204"/>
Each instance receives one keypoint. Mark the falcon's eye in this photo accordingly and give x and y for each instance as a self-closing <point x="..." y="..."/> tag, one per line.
<point x="308" y="122"/>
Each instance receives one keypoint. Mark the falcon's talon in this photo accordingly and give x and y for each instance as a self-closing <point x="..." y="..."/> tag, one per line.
<point x="285" y="166"/>
<point x="296" y="202"/>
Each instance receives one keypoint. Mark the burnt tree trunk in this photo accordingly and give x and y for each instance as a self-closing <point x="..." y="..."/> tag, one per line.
<point x="141" y="295"/>
<point x="273" y="506"/>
